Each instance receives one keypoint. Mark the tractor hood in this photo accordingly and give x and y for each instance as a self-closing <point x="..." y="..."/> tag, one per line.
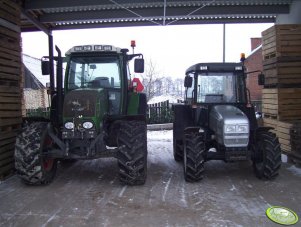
<point x="230" y="124"/>
<point x="86" y="104"/>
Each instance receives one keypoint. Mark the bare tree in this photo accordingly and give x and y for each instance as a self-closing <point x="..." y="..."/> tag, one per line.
<point x="151" y="80"/>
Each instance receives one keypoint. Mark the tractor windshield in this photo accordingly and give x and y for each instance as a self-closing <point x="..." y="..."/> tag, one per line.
<point x="93" y="72"/>
<point x="216" y="87"/>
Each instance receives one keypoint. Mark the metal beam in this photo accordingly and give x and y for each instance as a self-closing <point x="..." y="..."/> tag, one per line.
<point x="147" y="23"/>
<point x="35" y="22"/>
<point x="47" y="4"/>
<point x="157" y="12"/>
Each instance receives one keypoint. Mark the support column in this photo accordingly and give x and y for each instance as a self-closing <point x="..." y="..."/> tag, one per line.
<point x="294" y="17"/>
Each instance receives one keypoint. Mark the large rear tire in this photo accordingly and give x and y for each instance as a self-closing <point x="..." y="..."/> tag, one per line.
<point x="267" y="162"/>
<point x="30" y="165"/>
<point x="132" y="154"/>
<point x="194" y="148"/>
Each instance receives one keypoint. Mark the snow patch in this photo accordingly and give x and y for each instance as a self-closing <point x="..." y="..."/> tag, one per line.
<point x="284" y="158"/>
<point x="163" y="98"/>
<point x="295" y="170"/>
<point x="122" y="191"/>
<point x="233" y="188"/>
<point x="160" y="135"/>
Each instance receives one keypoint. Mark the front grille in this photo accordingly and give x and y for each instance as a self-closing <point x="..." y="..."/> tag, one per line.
<point x="80" y="102"/>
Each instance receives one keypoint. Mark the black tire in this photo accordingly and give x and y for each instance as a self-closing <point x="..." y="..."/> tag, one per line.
<point x="132" y="154"/>
<point x="267" y="162"/>
<point x="178" y="150"/>
<point x="194" y="148"/>
<point x="29" y="164"/>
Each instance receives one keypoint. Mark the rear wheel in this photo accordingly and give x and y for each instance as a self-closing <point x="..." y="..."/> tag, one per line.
<point x="31" y="166"/>
<point x="267" y="161"/>
<point x="194" y="148"/>
<point x="132" y="154"/>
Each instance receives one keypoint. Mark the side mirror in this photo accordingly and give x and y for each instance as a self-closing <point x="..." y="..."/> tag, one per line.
<point x="188" y="81"/>
<point x="139" y="65"/>
<point x="93" y="66"/>
<point x="261" y="79"/>
<point x="45" y="67"/>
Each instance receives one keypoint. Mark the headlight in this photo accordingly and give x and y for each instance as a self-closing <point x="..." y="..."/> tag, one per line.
<point x="87" y="125"/>
<point x="69" y="125"/>
<point x="230" y="128"/>
<point x="242" y="128"/>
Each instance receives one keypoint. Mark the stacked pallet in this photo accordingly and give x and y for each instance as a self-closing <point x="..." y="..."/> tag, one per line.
<point x="281" y="96"/>
<point x="282" y="130"/>
<point x="295" y="139"/>
<point x="281" y="41"/>
<point x="282" y="103"/>
<point x="10" y="92"/>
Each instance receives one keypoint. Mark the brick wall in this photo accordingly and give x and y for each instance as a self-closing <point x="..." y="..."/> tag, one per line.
<point x="35" y="99"/>
<point x="253" y="63"/>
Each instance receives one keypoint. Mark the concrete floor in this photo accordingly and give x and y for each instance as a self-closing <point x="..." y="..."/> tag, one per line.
<point x="88" y="193"/>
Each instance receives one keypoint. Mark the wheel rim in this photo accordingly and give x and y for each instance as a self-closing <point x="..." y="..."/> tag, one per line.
<point x="47" y="163"/>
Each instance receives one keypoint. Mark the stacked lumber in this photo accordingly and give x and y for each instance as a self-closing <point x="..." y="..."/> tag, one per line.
<point x="281" y="96"/>
<point x="282" y="130"/>
<point x="282" y="103"/>
<point x="10" y="92"/>
<point x="281" y="50"/>
<point x="295" y="133"/>
<point x="281" y="41"/>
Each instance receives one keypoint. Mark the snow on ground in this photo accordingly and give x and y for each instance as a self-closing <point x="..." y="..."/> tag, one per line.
<point x="295" y="170"/>
<point x="164" y="135"/>
<point x="162" y="98"/>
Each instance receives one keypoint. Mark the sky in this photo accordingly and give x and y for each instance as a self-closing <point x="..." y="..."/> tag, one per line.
<point x="172" y="49"/>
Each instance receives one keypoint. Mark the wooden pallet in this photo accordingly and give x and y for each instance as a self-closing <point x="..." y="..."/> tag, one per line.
<point x="281" y="40"/>
<point x="10" y="11"/>
<point x="282" y="72"/>
<point x="282" y="130"/>
<point x="282" y="103"/>
<point x="10" y="77"/>
<point x="295" y="133"/>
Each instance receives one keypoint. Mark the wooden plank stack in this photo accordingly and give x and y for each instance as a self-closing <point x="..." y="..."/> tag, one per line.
<point x="281" y="96"/>
<point x="10" y="92"/>
<point x="282" y="103"/>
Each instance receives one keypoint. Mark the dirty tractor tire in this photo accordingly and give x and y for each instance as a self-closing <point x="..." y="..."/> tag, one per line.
<point x="268" y="161"/>
<point x="194" y="148"/>
<point x="132" y="154"/>
<point x="178" y="150"/>
<point x="30" y="166"/>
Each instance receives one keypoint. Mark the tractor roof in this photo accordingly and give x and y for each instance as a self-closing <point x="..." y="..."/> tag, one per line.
<point x="215" y="67"/>
<point x="93" y="48"/>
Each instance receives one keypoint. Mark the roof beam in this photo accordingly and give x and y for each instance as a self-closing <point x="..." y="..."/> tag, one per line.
<point x="157" y="12"/>
<point x="229" y="20"/>
<point x="35" y="22"/>
<point x="52" y="4"/>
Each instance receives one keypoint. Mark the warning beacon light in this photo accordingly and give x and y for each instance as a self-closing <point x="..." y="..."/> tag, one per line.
<point x="242" y="57"/>
<point x="133" y="44"/>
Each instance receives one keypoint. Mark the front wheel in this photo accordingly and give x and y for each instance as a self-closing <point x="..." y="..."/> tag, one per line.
<point x="267" y="161"/>
<point x="132" y="154"/>
<point x="194" y="148"/>
<point x="30" y="165"/>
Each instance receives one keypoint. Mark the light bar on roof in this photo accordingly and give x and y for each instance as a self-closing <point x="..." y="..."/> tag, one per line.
<point x="94" y="48"/>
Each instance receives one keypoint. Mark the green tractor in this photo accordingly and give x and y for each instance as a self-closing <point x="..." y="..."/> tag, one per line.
<point x="217" y="122"/>
<point x="99" y="112"/>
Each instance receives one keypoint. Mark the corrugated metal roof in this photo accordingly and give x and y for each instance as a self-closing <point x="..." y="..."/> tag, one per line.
<point x="71" y="14"/>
